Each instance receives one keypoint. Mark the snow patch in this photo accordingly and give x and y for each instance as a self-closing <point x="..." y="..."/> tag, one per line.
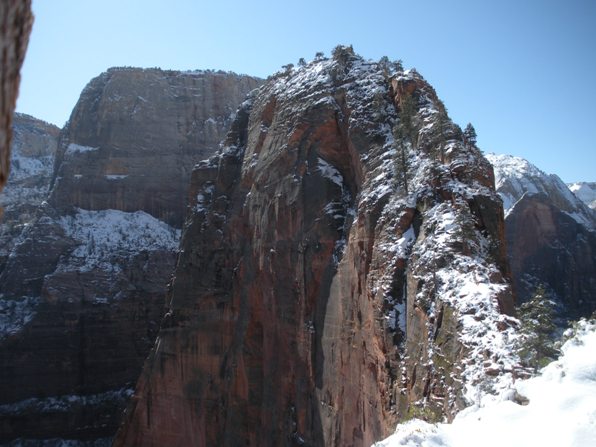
<point x="107" y="236"/>
<point x="78" y="149"/>
<point x="560" y="408"/>
<point x="330" y="172"/>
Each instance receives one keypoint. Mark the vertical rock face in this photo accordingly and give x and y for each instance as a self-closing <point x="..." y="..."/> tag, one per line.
<point x="16" y="20"/>
<point x="135" y="135"/>
<point x="82" y="292"/>
<point x="32" y="162"/>
<point x="551" y="236"/>
<point x="332" y="280"/>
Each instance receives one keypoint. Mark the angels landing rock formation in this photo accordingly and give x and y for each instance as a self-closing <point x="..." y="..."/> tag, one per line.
<point x="82" y="291"/>
<point x="342" y="268"/>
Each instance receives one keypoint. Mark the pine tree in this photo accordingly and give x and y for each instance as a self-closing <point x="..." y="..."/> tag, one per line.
<point x="402" y="164"/>
<point x="441" y="127"/>
<point x="406" y="117"/>
<point x="404" y="134"/>
<point x="470" y="135"/>
<point x="537" y="347"/>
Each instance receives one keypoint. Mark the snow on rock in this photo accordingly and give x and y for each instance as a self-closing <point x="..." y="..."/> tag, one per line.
<point x="78" y="149"/>
<point x="586" y="192"/>
<point x="555" y="408"/>
<point x="515" y="177"/>
<point x="107" y="236"/>
<point x="15" y="314"/>
<point x="55" y="404"/>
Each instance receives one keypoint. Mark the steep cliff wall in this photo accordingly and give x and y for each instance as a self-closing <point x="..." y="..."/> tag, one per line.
<point x="134" y="136"/>
<point x="82" y="292"/>
<point x="341" y="268"/>
<point x="551" y="236"/>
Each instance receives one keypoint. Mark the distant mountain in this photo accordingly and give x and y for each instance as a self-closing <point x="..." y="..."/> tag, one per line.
<point x="550" y="233"/>
<point x="585" y="191"/>
<point x="516" y="177"/>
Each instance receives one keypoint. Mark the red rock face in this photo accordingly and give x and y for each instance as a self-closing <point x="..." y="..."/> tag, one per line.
<point x="16" y="20"/>
<point x="299" y="263"/>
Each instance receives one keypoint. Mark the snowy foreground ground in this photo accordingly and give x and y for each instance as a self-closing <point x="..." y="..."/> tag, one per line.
<point x="561" y="409"/>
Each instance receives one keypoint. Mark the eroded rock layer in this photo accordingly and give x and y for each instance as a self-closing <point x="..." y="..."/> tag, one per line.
<point x="342" y="267"/>
<point x="83" y="287"/>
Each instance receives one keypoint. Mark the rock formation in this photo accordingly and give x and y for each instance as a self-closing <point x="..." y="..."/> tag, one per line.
<point x="83" y="288"/>
<point x="342" y="267"/>
<point x="16" y="18"/>
<point x="551" y="236"/>
<point x="32" y="162"/>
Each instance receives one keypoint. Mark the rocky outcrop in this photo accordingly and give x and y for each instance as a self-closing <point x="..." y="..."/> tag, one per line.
<point x="83" y="288"/>
<point x="551" y="236"/>
<point x="32" y="162"/>
<point x="16" y="18"/>
<point x="341" y="268"/>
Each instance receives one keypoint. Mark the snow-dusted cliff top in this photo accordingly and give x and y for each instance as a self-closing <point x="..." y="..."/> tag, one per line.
<point x="516" y="177"/>
<point x="586" y="192"/>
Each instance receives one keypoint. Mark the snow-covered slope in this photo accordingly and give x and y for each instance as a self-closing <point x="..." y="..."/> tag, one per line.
<point x="586" y="192"/>
<point x="515" y="176"/>
<point x="555" y="408"/>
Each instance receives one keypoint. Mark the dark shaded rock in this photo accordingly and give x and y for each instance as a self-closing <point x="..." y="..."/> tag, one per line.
<point x="82" y="292"/>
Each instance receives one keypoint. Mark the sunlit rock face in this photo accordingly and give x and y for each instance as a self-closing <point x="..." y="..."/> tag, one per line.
<point x="335" y="275"/>
<point x="82" y="290"/>
<point x="551" y="236"/>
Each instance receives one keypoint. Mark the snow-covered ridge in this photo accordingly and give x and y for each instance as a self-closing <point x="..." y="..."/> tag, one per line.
<point x="586" y="192"/>
<point x="107" y="236"/>
<point x="556" y="408"/>
<point x="515" y="176"/>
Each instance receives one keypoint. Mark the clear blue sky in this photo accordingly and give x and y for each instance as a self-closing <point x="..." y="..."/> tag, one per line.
<point x="522" y="71"/>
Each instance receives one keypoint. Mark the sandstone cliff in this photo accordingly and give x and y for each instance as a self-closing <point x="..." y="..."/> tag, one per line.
<point x="551" y="236"/>
<point x="83" y="287"/>
<point x="342" y="267"/>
